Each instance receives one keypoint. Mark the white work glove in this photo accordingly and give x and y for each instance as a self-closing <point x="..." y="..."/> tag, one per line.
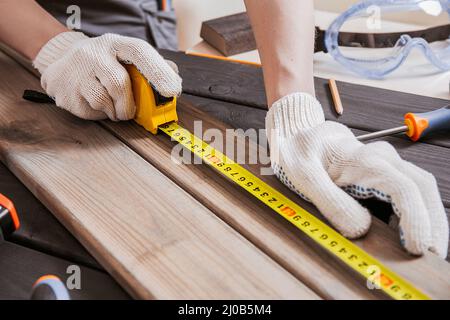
<point x="324" y="163"/>
<point x="85" y="76"/>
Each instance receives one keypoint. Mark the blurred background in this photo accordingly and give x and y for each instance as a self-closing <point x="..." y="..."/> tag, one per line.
<point x="191" y="13"/>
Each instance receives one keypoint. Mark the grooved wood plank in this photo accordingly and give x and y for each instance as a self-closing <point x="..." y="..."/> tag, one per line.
<point x="152" y="236"/>
<point x="38" y="228"/>
<point x="273" y="234"/>
<point x="365" y="108"/>
<point x="20" y="267"/>
<point x="430" y="157"/>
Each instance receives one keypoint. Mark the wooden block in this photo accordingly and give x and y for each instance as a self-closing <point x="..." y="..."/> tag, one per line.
<point x="152" y="236"/>
<point x="39" y="230"/>
<point x="230" y="35"/>
<point x="20" y="267"/>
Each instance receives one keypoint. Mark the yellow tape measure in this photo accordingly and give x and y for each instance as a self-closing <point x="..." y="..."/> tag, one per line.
<point x="345" y="250"/>
<point x="153" y="115"/>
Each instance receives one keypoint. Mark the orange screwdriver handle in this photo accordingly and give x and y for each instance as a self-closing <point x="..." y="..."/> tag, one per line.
<point x="9" y="220"/>
<point x="421" y="124"/>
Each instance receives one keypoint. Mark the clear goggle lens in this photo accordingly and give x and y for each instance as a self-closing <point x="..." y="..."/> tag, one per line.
<point x="380" y="54"/>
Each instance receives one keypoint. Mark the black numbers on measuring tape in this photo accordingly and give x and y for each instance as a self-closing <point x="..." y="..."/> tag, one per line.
<point x="324" y="236"/>
<point x="242" y="179"/>
<point x="407" y="296"/>
<point x="273" y="200"/>
<point x="249" y="184"/>
<point x="363" y="264"/>
<point x="353" y="257"/>
<point x="264" y="194"/>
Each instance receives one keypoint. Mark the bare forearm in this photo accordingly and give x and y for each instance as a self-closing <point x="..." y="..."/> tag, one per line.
<point x="284" y="31"/>
<point x="26" y="27"/>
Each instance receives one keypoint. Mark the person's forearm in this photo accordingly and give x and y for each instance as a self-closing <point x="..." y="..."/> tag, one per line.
<point x="26" y="27"/>
<point x="284" y="32"/>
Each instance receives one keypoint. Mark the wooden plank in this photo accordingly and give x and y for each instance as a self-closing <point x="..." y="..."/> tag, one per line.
<point x="230" y="35"/>
<point x="152" y="236"/>
<point x="20" y="267"/>
<point x="39" y="230"/>
<point x="430" y="157"/>
<point x="365" y="108"/>
<point x="272" y="233"/>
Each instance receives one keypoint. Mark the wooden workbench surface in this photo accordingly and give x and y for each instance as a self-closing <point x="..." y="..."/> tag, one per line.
<point x="168" y="231"/>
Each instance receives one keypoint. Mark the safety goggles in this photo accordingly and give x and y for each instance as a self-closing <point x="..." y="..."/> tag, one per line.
<point x="389" y="49"/>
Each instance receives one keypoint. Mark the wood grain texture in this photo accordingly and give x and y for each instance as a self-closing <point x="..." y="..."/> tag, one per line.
<point x="20" y="267"/>
<point x="230" y="35"/>
<point x="273" y="234"/>
<point x="152" y="236"/>
<point x="39" y="229"/>
<point x="366" y="108"/>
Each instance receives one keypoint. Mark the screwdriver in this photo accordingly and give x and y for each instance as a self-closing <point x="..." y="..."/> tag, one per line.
<point x="417" y="125"/>
<point x="9" y="220"/>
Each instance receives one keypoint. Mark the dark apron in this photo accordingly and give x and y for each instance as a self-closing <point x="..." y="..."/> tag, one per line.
<point x="135" y="18"/>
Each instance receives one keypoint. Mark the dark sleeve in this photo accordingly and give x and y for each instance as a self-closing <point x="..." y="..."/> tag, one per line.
<point x="135" y="18"/>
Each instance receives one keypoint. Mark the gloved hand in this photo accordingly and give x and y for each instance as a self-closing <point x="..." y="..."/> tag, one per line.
<point x="324" y="163"/>
<point x="85" y="75"/>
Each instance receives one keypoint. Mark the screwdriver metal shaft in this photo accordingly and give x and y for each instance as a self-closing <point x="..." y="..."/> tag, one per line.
<point x="379" y="134"/>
